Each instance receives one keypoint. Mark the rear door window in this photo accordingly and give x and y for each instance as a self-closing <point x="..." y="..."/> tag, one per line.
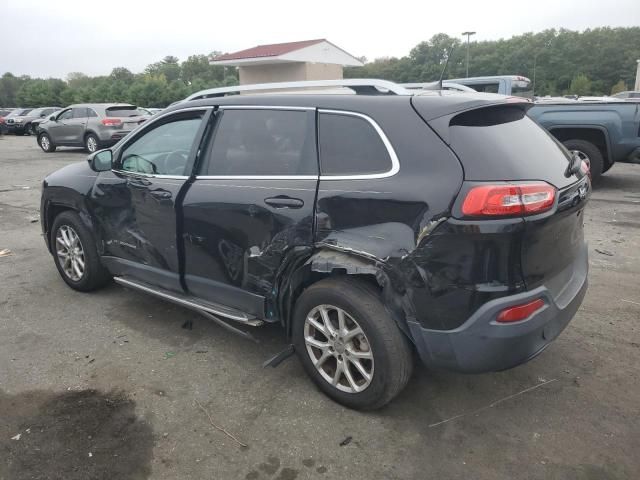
<point x="350" y="145"/>
<point x="80" y="112"/>
<point x="264" y="143"/>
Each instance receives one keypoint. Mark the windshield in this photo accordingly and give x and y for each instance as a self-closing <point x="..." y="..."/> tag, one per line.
<point x="20" y="112"/>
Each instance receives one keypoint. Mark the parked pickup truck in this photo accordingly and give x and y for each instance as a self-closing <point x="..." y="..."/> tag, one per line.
<point x="600" y="133"/>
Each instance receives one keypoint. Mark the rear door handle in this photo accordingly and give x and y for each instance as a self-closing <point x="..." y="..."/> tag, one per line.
<point x="282" y="201"/>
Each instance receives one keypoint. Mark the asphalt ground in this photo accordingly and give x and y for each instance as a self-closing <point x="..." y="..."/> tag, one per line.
<point x="109" y="385"/>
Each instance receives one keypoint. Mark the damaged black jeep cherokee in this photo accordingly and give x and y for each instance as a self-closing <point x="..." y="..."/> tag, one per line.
<point x="369" y="226"/>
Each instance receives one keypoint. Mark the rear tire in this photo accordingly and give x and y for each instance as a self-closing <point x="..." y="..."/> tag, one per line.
<point x="91" y="143"/>
<point x="44" y="140"/>
<point x="382" y="351"/>
<point x="75" y="253"/>
<point x="592" y="154"/>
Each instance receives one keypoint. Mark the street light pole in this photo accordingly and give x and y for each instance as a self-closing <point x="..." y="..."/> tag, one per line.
<point x="468" y="34"/>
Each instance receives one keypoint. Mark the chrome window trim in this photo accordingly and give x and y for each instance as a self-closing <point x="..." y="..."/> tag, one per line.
<point x="154" y="119"/>
<point x="256" y="177"/>
<point x="150" y="175"/>
<point x="265" y="107"/>
<point x="395" y="163"/>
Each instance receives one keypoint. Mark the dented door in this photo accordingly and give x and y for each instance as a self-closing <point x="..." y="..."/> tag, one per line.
<point x="136" y="202"/>
<point x="252" y="203"/>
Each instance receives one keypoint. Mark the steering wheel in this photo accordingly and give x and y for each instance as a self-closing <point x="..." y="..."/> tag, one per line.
<point x="176" y="161"/>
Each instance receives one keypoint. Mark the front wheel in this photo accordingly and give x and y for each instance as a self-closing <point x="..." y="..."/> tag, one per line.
<point x="349" y="345"/>
<point x="75" y="253"/>
<point x="44" y="140"/>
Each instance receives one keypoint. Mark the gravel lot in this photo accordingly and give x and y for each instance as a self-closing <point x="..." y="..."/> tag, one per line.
<point x="109" y="385"/>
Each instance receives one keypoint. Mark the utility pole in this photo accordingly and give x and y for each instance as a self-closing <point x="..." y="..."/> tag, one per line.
<point x="535" y="63"/>
<point x="468" y="34"/>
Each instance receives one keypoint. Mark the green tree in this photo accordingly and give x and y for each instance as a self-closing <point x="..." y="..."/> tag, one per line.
<point x="580" y="85"/>
<point x="618" y="87"/>
<point x="121" y="74"/>
<point x="9" y="86"/>
<point x="168" y="66"/>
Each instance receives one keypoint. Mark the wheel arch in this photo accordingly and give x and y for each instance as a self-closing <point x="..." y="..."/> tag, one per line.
<point x="597" y="135"/>
<point x="91" y="132"/>
<point x="327" y="262"/>
<point x="51" y="211"/>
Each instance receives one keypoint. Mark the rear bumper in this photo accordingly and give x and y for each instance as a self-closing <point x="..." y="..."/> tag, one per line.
<point x="108" y="137"/>
<point x="482" y="345"/>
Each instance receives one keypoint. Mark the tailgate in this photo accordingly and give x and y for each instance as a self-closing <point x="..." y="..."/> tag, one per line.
<point x="553" y="244"/>
<point x="500" y="143"/>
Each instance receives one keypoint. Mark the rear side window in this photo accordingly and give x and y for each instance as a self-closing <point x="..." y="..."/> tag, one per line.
<point x="492" y="87"/>
<point x="503" y="143"/>
<point x="91" y="113"/>
<point x="264" y="143"/>
<point x="350" y="145"/>
<point x="123" y="111"/>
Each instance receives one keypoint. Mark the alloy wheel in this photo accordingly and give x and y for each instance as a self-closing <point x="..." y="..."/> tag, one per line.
<point x="70" y="253"/>
<point x="92" y="144"/>
<point x="338" y="348"/>
<point x="44" y="142"/>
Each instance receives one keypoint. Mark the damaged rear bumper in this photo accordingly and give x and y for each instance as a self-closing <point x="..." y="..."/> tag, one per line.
<point x="482" y="344"/>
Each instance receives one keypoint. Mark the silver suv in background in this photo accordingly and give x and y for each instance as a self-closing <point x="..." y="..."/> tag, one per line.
<point x="90" y="125"/>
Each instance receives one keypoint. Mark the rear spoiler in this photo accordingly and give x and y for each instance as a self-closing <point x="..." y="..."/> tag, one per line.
<point x="439" y="116"/>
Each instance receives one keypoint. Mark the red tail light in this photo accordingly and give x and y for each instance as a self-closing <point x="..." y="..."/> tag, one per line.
<point x="111" y="122"/>
<point x="520" y="312"/>
<point x="508" y="200"/>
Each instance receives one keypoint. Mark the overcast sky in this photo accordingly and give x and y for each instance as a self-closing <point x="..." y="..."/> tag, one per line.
<point x="50" y="38"/>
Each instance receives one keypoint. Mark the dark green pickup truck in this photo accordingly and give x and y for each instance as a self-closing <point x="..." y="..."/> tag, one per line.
<point x="602" y="133"/>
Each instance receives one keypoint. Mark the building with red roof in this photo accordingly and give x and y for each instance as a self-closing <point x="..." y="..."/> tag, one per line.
<point x="292" y="61"/>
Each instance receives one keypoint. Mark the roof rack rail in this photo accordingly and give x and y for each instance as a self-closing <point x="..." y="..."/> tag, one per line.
<point x="361" y="86"/>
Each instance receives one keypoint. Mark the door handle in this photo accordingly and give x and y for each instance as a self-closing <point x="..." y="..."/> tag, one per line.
<point x="282" y="201"/>
<point x="160" y="193"/>
<point x="139" y="182"/>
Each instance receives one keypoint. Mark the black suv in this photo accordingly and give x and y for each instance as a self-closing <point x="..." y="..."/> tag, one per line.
<point x="368" y="226"/>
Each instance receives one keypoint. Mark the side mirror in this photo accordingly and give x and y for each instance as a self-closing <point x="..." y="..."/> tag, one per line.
<point x="52" y="118"/>
<point x="42" y="115"/>
<point x="100" y="161"/>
